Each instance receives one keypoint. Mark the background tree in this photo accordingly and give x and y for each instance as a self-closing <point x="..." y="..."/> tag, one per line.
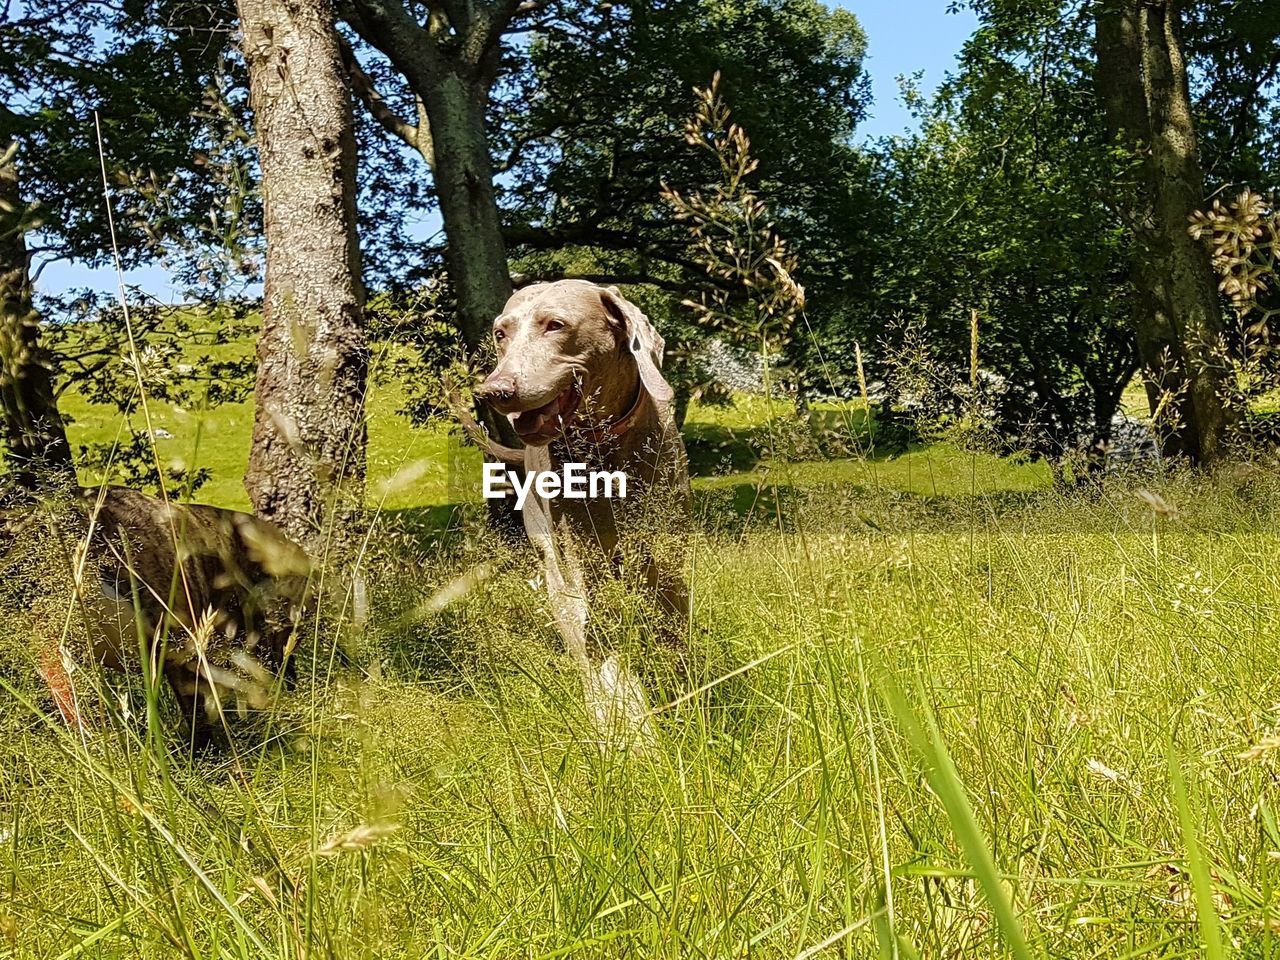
<point x="1143" y="69"/>
<point x="586" y="123"/>
<point x="450" y="57"/>
<point x="610" y="109"/>
<point x="34" y="434"/>
<point x="607" y="111"/>
<point x="1118" y="75"/>
<point x="1144" y="78"/>
<point x="1039" y="193"/>
<point x="1000" y="205"/>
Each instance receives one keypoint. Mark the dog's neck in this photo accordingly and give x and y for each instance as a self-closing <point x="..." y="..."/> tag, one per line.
<point x="615" y="404"/>
<point x="598" y="432"/>
<point x="615" y="440"/>
<point x="630" y="448"/>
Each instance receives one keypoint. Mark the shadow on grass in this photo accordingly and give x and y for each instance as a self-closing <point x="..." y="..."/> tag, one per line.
<point x="748" y="503"/>
<point x="436" y="522"/>
<point x="716" y="449"/>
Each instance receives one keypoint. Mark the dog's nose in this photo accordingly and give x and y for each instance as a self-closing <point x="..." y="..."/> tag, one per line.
<point x="497" y="389"/>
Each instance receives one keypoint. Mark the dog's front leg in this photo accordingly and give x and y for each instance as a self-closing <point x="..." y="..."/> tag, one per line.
<point x="668" y="589"/>
<point x="616" y="702"/>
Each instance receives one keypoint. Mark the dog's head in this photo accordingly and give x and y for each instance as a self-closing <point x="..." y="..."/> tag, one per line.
<point x="566" y="345"/>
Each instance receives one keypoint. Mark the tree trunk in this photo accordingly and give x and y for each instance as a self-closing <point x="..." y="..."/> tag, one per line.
<point x="450" y="64"/>
<point x="475" y="256"/>
<point x="307" y="463"/>
<point x="1142" y="80"/>
<point x="450" y="73"/>
<point x="1118" y="44"/>
<point x="457" y="151"/>
<point x="1178" y="191"/>
<point x="35" y="436"/>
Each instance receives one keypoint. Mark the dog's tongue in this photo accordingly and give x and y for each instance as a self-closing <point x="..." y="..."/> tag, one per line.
<point x="540" y="420"/>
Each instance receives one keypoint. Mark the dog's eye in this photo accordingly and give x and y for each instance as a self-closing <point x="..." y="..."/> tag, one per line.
<point x="499" y="334"/>
<point x="554" y="325"/>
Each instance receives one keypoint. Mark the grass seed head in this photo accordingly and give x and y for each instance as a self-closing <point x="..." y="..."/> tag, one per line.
<point x="1262" y="749"/>
<point x="358" y="839"/>
<point x="1159" y="506"/>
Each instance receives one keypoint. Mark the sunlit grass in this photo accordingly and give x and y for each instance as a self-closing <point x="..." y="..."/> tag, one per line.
<point x="942" y="711"/>
<point x="219" y="438"/>
<point x="454" y="779"/>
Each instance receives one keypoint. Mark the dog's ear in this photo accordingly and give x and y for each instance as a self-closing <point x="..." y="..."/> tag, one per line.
<point x="644" y="342"/>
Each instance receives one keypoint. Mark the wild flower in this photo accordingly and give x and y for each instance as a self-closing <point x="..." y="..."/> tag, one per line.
<point x="1244" y="239"/>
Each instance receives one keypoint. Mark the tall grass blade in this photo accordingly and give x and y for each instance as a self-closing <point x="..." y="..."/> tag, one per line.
<point x="98" y="935"/>
<point x="946" y="783"/>
<point x="1201" y="880"/>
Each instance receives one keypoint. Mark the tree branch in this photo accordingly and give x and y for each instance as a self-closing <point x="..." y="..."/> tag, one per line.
<point x="378" y="108"/>
<point x="487" y="24"/>
<point x="387" y="26"/>
<point x="589" y="235"/>
<point x="628" y="278"/>
<point x="517" y="148"/>
<point x="1248" y="104"/>
<point x="426" y="143"/>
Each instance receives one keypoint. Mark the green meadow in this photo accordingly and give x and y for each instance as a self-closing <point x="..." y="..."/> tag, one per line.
<point x="930" y="707"/>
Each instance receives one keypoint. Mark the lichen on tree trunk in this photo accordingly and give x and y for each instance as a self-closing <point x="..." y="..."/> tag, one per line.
<point x="307" y="463"/>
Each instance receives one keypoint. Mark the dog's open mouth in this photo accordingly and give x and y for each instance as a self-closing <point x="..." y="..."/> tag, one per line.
<point x="549" y="420"/>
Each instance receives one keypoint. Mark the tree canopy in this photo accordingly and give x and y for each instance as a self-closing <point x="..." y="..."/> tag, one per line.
<point x="546" y="133"/>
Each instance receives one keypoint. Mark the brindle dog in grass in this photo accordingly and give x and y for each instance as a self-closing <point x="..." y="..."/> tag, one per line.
<point x="211" y="597"/>
<point x="579" y="376"/>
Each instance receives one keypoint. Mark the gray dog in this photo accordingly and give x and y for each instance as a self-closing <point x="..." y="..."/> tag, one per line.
<point x="579" y="376"/>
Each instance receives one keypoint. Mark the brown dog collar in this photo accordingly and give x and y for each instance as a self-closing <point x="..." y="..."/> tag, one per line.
<point x="619" y="426"/>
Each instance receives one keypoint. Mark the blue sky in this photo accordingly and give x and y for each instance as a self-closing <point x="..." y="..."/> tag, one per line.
<point x="903" y="36"/>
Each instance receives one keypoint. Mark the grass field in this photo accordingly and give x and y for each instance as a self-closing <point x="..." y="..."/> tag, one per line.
<point x="930" y="708"/>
